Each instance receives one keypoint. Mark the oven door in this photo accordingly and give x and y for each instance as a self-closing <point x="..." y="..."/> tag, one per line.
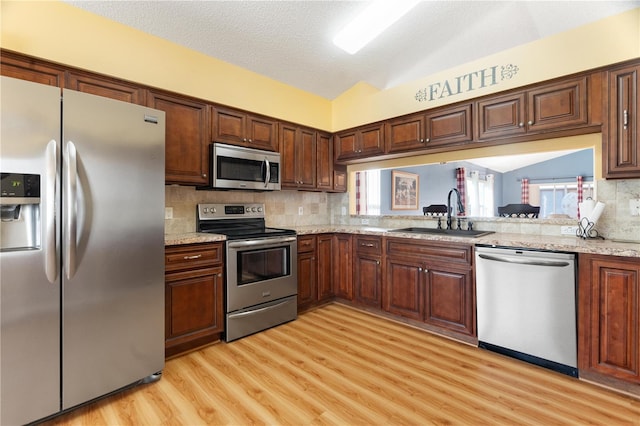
<point x="261" y="270"/>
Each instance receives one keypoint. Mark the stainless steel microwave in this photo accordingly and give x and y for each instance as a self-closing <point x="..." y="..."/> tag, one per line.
<point x="236" y="167"/>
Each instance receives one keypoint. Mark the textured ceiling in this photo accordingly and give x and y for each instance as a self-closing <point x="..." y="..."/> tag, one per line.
<point x="291" y="41"/>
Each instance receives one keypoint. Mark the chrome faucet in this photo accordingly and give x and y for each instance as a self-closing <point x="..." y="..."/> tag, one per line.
<point x="460" y="206"/>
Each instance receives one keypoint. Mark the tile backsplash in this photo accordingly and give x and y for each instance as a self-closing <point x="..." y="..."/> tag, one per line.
<point x="319" y="208"/>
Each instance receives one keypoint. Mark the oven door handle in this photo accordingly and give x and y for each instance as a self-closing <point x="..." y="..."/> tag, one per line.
<point x="267" y="175"/>
<point x="257" y="311"/>
<point x="261" y="243"/>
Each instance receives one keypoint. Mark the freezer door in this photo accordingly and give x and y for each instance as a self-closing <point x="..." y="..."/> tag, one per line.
<point x="113" y="245"/>
<point x="29" y="301"/>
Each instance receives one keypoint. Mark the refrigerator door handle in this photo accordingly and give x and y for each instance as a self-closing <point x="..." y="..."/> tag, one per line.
<point x="51" y="258"/>
<point x="71" y="188"/>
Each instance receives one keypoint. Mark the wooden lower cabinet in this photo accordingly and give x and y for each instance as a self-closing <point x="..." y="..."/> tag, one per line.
<point x="315" y="270"/>
<point x="194" y="285"/>
<point x="609" y="320"/>
<point x="432" y="283"/>
<point x="342" y="266"/>
<point x="367" y="271"/>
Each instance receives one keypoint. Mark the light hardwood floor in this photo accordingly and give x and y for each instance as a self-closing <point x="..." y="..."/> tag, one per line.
<point x="336" y="365"/>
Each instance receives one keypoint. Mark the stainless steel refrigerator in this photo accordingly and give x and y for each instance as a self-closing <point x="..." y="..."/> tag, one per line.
<point x="81" y="248"/>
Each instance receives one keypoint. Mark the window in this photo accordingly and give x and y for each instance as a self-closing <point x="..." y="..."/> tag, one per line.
<point x="480" y="195"/>
<point x="558" y="198"/>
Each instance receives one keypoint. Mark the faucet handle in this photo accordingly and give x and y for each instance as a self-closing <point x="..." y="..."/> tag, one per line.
<point x="469" y="226"/>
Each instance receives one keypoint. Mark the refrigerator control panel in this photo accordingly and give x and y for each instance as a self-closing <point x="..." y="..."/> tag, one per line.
<point x="20" y="185"/>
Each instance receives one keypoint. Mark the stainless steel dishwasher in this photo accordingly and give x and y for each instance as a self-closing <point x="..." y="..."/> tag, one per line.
<point x="526" y="305"/>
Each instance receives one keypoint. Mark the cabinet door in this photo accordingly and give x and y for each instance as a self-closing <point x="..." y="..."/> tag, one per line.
<point x="405" y="134"/>
<point x="449" y="299"/>
<point x="403" y="287"/>
<point x="343" y="271"/>
<point x="449" y="126"/>
<point x="229" y="126"/>
<point x="324" y="162"/>
<point x="186" y="138"/>
<point x="339" y="178"/>
<point x="306" y="159"/>
<point x="262" y="133"/>
<point x="622" y="149"/>
<point x="193" y="309"/>
<point x="307" y="271"/>
<point x="557" y="105"/>
<point x="106" y="87"/>
<point x="17" y="66"/>
<point x="609" y="318"/>
<point x="325" y="267"/>
<point x="371" y="140"/>
<point x="288" y="164"/>
<point x="345" y="145"/>
<point x="501" y="116"/>
<point x="368" y="280"/>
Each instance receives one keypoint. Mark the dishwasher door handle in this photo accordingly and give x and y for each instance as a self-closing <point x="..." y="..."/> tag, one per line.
<point x="524" y="261"/>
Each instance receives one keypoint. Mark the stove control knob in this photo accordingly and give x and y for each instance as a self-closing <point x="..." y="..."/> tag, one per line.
<point x="253" y="209"/>
<point x="205" y="210"/>
<point x="213" y="210"/>
<point x="260" y="209"/>
<point x="248" y="209"/>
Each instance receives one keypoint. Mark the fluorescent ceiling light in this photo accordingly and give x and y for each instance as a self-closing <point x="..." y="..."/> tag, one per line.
<point x="376" y="18"/>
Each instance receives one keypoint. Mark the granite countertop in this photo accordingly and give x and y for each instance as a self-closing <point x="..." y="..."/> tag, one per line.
<point x="542" y="242"/>
<point x="192" y="238"/>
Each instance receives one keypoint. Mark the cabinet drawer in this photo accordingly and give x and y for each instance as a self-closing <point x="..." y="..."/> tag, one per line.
<point x="306" y="243"/>
<point x="192" y="256"/>
<point x="370" y="245"/>
<point x="450" y="252"/>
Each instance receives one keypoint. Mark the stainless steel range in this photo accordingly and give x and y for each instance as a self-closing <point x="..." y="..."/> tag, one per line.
<point x="261" y="267"/>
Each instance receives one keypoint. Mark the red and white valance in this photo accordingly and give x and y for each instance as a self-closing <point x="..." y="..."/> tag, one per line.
<point x="524" y="192"/>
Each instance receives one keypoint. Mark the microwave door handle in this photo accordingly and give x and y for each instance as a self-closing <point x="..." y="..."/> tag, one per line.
<point x="268" y="173"/>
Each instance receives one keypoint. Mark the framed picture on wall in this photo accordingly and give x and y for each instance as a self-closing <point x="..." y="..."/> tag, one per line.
<point x="404" y="190"/>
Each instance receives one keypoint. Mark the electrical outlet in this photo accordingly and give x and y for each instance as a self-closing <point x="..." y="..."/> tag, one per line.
<point x="364" y="221"/>
<point x="569" y="230"/>
<point x="634" y="206"/>
<point x="168" y="212"/>
<point x="300" y="211"/>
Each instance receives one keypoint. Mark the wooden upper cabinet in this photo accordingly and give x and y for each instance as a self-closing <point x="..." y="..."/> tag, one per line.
<point x="105" y="86"/>
<point x="501" y="116"/>
<point x="622" y="149"/>
<point x="358" y="143"/>
<point x="557" y="105"/>
<point x="240" y="128"/>
<point x="449" y="126"/>
<point x="441" y="127"/>
<point x="324" y="162"/>
<point x="186" y="137"/>
<point x="298" y="157"/>
<point x="24" y="68"/>
<point x="406" y="133"/>
<point x="547" y="107"/>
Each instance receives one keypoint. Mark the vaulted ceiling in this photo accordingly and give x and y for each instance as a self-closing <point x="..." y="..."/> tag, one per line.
<point x="291" y="41"/>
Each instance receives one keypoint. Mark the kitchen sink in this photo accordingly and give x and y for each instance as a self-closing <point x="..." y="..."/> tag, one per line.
<point x="451" y="232"/>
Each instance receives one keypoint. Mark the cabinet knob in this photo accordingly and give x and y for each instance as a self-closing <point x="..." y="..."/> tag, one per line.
<point x="521" y="124"/>
<point x="419" y="269"/>
<point x="421" y="140"/>
<point x="377" y="262"/>
<point x="530" y="122"/>
<point x="220" y="275"/>
<point x="244" y="139"/>
<point x="204" y="175"/>
<point x="250" y="140"/>
<point x="428" y="139"/>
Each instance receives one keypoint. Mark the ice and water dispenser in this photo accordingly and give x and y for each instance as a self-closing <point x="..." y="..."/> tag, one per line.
<point x="20" y="211"/>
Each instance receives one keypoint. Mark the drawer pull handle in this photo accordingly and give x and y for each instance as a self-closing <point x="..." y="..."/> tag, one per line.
<point x="197" y="256"/>
<point x="625" y="119"/>
<point x="366" y="245"/>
